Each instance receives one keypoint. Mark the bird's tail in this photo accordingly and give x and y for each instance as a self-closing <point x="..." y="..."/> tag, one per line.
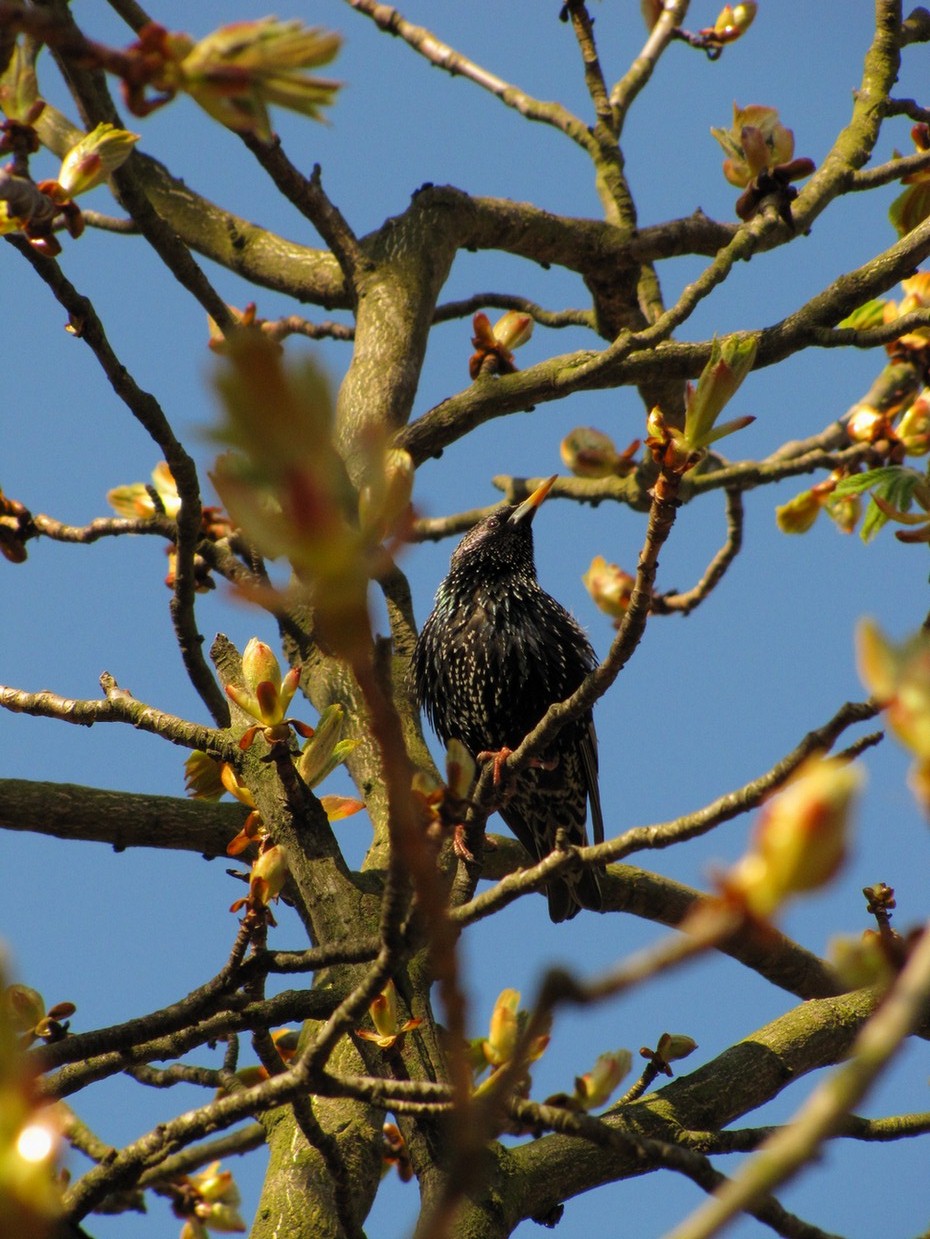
<point x="567" y="896"/>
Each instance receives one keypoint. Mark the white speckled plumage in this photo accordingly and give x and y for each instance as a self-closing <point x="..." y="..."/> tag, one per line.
<point x="492" y="657"/>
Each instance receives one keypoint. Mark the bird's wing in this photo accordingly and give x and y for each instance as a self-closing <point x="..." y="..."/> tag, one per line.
<point x="589" y="761"/>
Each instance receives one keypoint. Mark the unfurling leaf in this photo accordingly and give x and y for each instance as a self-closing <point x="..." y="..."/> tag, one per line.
<point x="730" y="361"/>
<point x="236" y="72"/>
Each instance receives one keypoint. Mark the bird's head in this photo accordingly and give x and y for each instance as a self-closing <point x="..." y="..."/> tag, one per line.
<point x="502" y="542"/>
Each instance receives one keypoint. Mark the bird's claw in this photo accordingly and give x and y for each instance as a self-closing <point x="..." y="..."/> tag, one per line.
<point x="499" y="757"/>
<point x="460" y="846"/>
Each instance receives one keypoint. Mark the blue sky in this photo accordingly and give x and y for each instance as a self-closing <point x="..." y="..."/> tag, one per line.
<point x="707" y="703"/>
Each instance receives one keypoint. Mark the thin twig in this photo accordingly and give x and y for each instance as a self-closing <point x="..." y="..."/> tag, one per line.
<point x="133" y="14"/>
<point x="639" y="73"/>
<point x="746" y="475"/>
<point x="583" y="29"/>
<point x="508" y="301"/>
<point x="118" y="707"/>
<point x="110" y="223"/>
<point x="146" y="409"/>
<point x="169" y="247"/>
<point x="666" y="834"/>
<point x="177" y="1073"/>
<point x="893" y="170"/>
<point x="414" y="1096"/>
<point x="215" y="994"/>
<point x="435" y="528"/>
<point x="735" y="803"/>
<point x="907" y="107"/>
<point x="309" y="197"/>
<point x="105" y="527"/>
<point x="299" y="1005"/>
<point x="855" y="1127"/>
<point x="294" y="325"/>
<point x="440" y="54"/>
<point x="685" y="603"/>
<point x="234" y="1143"/>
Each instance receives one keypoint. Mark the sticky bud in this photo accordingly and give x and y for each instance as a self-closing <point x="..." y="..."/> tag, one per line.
<point x="503" y="1029"/>
<point x="898" y="675"/>
<point x="609" y="586"/>
<point x="91" y="160"/>
<point x="460" y="770"/>
<point x="265" y="696"/>
<point x="799" y="513"/>
<point x="269" y="873"/>
<point x="593" y="1089"/>
<point x="259" y="665"/>
<point x="384" y="1015"/>
<point x="513" y="329"/>
<point x="675" y="1046"/>
<point x="914" y="427"/>
<point x="801" y="838"/>
<point x="25" y="1005"/>
<point x="589" y="453"/>
<point x="202" y="777"/>
<point x="382" y="504"/>
<point x="866" y="424"/>
<point x="317" y="759"/>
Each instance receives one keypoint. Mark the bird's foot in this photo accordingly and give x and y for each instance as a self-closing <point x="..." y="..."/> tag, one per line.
<point x="498" y="756"/>
<point x="460" y="844"/>
<point x="505" y="783"/>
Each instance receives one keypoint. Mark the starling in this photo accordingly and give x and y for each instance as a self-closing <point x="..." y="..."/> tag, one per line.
<point x="494" y="654"/>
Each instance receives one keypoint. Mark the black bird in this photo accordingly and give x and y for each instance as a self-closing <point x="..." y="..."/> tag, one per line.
<point x="494" y="654"/>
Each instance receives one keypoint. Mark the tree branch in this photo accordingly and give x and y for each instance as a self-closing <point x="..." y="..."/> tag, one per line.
<point x="444" y="57"/>
<point x="146" y="409"/>
<point x="118" y="707"/>
<point x="823" y="1114"/>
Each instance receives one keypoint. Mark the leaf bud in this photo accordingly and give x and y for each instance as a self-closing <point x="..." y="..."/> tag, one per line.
<point x="801" y="838"/>
<point x="589" y="453"/>
<point x="593" y="1089"/>
<point x="89" y="162"/>
<point x="609" y="586"/>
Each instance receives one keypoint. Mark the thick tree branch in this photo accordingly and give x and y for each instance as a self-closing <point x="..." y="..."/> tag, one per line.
<point x="825" y="1111"/>
<point x="854" y="144"/>
<point x="531" y="1180"/>
<point x="122" y="819"/>
<point x="640" y="355"/>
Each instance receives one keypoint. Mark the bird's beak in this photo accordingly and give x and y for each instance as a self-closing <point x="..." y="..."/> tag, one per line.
<point x="527" y="509"/>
